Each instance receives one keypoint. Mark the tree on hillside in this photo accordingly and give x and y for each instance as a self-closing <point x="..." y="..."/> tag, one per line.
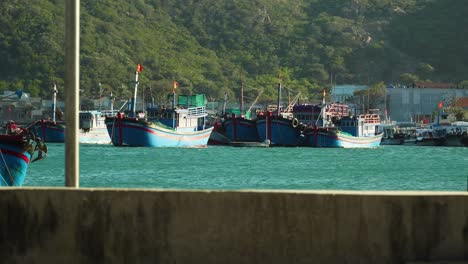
<point x="370" y="98"/>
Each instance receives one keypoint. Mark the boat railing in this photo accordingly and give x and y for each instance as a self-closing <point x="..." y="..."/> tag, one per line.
<point x="196" y="111"/>
<point x="370" y="118"/>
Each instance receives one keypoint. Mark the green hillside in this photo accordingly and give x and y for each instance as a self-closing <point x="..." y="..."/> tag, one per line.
<point x="209" y="46"/>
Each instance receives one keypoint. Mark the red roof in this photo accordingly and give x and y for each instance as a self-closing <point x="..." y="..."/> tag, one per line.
<point x="462" y="102"/>
<point x="435" y="85"/>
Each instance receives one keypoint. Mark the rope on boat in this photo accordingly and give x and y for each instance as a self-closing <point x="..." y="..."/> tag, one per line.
<point x="7" y="169"/>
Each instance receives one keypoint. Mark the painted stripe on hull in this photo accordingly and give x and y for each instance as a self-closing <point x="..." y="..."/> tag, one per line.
<point x="50" y="133"/>
<point x="17" y="160"/>
<point x="135" y="134"/>
<point x="339" y="140"/>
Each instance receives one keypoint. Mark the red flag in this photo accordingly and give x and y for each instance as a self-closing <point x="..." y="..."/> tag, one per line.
<point x="441" y="104"/>
<point x="176" y="84"/>
<point x="139" y="68"/>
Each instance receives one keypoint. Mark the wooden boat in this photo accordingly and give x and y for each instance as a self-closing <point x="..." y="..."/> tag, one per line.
<point x="181" y="126"/>
<point x="50" y="130"/>
<point x="18" y="146"/>
<point x="457" y="135"/>
<point x="280" y="128"/>
<point x="391" y="136"/>
<point x="339" y="130"/>
<point x="241" y="128"/>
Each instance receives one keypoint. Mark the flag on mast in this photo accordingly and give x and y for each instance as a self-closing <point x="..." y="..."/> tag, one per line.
<point x="324" y="94"/>
<point x="139" y="67"/>
<point x="175" y="85"/>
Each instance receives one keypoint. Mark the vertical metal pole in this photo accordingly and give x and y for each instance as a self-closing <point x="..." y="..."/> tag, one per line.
<point x="72" y="86"/>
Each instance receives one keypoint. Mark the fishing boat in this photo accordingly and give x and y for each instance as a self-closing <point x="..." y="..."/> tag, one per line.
<point x="457" y="134"/>
<point x="217" y="136"/>
<point x="181" y="126"/>
<point x="49" y="130"/>
<point x="280" y="128"/>
<point x="431" y="136"/>
<point x="391" y="136"/>
<point x="336" y="128"/>
<point x="241" y="128"/>
<point x="18" y="147"/>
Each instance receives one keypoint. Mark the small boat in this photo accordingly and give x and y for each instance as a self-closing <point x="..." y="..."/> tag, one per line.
<point x="50" y="130"/>
<point x="18" y="146"/>
<point x="338" y="129"/>
<point x="457" y="134"/>
<point x="431" y="136"/>
<point x="391" y="136"/>
<point x="181" y="126"/>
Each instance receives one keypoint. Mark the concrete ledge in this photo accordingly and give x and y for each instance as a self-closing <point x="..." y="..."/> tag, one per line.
<point x="59" y="225"/>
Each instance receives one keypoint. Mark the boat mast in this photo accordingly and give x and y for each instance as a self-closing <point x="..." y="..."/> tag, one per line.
<point x="133" y="103"/>
<point x="242" y="98"/>
<point x="224" y="103"/>
<point x="278" y="111"/>
<point x="112" y="103"/>
<point x="174" y="103"/>
<point x="54" y="101"/>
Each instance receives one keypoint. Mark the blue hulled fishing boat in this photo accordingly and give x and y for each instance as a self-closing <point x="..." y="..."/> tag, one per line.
<point x="17" y="148"/>
<point x="336" y="128"/>
<point x="181" y="126"/>
<point x="50" y="130"/>
<point x="240" y="129"/>
<point x="280" y="128"/>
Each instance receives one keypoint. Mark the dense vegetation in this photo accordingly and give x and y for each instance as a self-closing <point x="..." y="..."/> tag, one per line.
<point x="210" y="46"/>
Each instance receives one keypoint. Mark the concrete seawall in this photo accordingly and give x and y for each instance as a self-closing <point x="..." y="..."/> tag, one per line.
<point x="58" y="225"/>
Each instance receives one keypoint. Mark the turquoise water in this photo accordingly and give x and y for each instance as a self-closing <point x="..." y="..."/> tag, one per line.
<point x="214" y="167"/>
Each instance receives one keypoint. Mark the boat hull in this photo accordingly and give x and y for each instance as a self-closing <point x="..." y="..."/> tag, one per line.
<point x="14" y="161"/>
<point x="218" y="138"/>
<point x="135" y="133"/>
<point x="337" y="139"/>
<point x="49" y="131"/>
<point x="279" y="132"/>
<point x="241" y="129"/>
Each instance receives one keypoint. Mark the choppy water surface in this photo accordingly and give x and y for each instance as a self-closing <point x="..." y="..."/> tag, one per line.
<point x="383" y="168"/>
